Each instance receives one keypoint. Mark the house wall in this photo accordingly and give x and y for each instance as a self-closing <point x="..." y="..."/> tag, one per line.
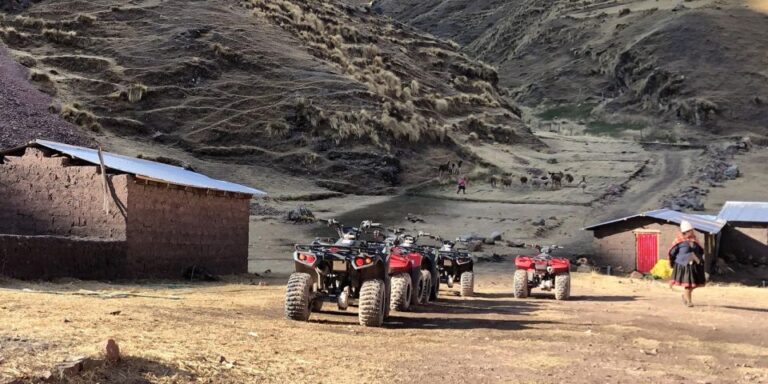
<point x="745" y="242"/>
<point x="171" y="229"/>
<point x="49" y="257"/>
<point x="615" y="244"/>
<point x="42" y="195"/>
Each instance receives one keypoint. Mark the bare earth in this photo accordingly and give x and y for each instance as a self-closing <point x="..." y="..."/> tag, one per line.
<point x="615" y="330"/>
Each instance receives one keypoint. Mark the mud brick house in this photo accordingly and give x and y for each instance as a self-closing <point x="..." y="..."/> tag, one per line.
<point x="745" y="238"/>
<point x="636" y="243"/>
<point x="60" y="217"/>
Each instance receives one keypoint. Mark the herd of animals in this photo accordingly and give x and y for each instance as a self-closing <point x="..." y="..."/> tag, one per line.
<point x="536" y="180"/>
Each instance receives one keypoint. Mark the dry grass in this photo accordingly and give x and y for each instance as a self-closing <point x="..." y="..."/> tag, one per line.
<point x="74" y="114"/>
<point x="234" y="332"/>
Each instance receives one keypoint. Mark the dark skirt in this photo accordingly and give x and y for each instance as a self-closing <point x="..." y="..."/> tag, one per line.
<point x="689" y="276"/>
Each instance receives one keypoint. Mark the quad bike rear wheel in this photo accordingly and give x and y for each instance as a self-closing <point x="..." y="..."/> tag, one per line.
<point x="521" y="284"/>
<point x="402" y="286"/>
<point x="298" y="298"/>
<point x="372" y="303"/>
<point x="467" y="284"/>
<point x="563" y="286"/>
<point x="426" y="293"/>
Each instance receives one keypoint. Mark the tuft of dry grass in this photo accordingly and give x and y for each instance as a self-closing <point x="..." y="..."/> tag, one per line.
<point x="83" y="118"/>
<point x="60" y="37"/>
<point x="136" y="92"/>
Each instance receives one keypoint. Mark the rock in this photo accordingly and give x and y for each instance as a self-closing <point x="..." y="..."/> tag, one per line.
<point x="300" y="214"/>
<point x="495" y="235"/>
<point x="679" y="7"/>
<point x="413" y="218"/>
<point x="539" y="223"/>
<point x="515" y="244"/>
<point x="475" y="246"/>
<point x="635" y="275"/>
<point x="489" y="241"/>
<point x="112" y="352"/>
<point x="115" y="313"/>
<point x="551" y="161"/>
<point x="731" y="172"/>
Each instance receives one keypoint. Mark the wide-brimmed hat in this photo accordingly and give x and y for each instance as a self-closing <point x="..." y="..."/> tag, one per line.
<point x="685" y="226"/>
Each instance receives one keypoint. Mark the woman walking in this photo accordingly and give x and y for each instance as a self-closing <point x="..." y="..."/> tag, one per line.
<point x="686" y="257"/>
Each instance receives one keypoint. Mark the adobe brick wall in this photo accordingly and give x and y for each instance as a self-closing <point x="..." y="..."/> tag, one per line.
<point x="615" y="244"/>
<point x="171" y="229"/>
<point x="48" y="257"/>
<point x="747" y="243"/>
<point x="41" y="195"/>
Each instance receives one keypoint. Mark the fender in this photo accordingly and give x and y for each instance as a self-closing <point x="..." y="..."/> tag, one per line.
<point x="523" y="262"/>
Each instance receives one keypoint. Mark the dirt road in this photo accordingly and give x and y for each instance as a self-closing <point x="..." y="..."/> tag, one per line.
<point x="615" y="330"/>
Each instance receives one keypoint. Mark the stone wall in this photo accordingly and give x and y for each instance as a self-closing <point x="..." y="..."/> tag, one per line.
<point x="170" y="229"/>
<point x="49" y="257"/>
<point x="42" y="195"/>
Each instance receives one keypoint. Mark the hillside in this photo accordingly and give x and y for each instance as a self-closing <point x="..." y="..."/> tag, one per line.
<point x="623" y="64"/>
<point x="316" y="89"/>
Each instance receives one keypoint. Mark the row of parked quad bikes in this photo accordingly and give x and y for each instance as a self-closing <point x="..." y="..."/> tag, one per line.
<point x="381" y="270"/>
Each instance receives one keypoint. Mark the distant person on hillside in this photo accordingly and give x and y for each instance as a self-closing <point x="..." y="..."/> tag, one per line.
<point x="462" y="185"/>
<point x="687" y="260"/>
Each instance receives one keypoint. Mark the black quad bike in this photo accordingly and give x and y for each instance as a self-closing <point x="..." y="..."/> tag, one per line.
<point x="349" y="271"/>
<point x="456" y="266"/>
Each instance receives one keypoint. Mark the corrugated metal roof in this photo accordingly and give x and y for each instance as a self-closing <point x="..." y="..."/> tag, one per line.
<point x="703" y="223"/>
<point x="744" y="211"/>
<point x="148" y="169"/>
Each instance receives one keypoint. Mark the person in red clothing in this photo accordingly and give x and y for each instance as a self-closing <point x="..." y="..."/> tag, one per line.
<point x="687" y="260"/>
<point x="462" y="185"/>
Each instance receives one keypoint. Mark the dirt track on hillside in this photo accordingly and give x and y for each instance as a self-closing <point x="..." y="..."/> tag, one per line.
<point x="615" y="330"/>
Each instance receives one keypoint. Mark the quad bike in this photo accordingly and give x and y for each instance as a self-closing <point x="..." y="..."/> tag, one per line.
<point x="543" y="271"/>
<point x="349" y="271"/>
<point x="413" y="273"/>
<point x="456" y="266"/>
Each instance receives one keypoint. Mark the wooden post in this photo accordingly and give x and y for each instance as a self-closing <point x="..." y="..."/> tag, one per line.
<point x="104" y="181"/>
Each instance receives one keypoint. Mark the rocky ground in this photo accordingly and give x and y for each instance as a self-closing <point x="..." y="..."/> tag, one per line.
<point x="24" y="110"/>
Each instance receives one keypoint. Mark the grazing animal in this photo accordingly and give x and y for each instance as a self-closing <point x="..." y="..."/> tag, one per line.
<point x="443" y="169"/>
<point x="569" y="178"/>
<point x="523" y="180"/>
<point x="506" y="182"/>
<point x="537" y="183"/>
<point x="583" y="183"/>
<point x="494" y="180"/>
<point x="557" y="179"/>
<point x="458" y="166"/>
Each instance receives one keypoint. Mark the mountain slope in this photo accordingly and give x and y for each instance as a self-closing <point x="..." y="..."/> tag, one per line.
<point x="315" y="88"/>
<point x="670" y="64"/>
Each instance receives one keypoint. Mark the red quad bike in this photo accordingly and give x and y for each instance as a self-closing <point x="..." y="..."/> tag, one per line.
<point x="543" y="271"/>
<point x="413" y="274"/>
<point x="349" y="271"/>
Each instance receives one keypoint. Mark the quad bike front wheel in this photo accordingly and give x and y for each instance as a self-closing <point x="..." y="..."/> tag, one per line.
<point x="426" y="292"/>
<point x="563" y="286"/>
<point x="435" y="287"/>
<point x="521" y="284"/>
<point x="372" y="303"/>
<point x="402" y="285"/>
<point x="467" y="284"/>
<point x="298" y="298"/>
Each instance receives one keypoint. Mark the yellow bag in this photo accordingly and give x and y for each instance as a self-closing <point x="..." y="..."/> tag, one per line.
<point x="662" y="270"/>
